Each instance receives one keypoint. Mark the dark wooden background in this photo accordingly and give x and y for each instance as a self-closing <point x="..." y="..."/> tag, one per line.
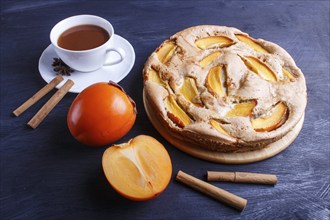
<point x="46" y="174"/>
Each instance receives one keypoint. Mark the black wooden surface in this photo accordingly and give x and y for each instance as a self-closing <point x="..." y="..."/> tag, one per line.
<point x="46" y="174"/>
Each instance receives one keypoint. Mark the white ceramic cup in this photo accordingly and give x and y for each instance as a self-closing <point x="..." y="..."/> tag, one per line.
<point x="86" y="60"/>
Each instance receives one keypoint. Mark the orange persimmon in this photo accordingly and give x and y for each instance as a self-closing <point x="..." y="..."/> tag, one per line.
<point x="140" y="169"/>
<point x="101" y="114"/>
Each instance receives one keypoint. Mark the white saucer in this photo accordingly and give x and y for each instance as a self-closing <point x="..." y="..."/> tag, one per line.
<point x="82" y="80"/>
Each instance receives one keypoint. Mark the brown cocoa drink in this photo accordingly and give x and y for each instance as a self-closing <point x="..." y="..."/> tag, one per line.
<point x="83" y="37"/>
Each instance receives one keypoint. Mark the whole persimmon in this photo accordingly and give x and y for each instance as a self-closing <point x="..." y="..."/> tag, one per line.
<point x="101" y="114"/>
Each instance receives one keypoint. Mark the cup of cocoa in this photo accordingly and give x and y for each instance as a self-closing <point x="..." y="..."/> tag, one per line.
<point x="84" y="42"/>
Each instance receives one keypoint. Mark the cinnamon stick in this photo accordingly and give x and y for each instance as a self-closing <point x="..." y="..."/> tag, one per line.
<point x="50" y="104"/>
<point x="213" y="191"/>
<point x="242" y="177"/>
<point x="38" y="95"/>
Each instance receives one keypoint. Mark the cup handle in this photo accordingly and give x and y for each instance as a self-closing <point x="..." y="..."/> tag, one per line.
<point x="119" y="51"/>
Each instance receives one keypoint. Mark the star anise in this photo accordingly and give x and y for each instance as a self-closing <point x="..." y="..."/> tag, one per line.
<point x="61" y="68"/>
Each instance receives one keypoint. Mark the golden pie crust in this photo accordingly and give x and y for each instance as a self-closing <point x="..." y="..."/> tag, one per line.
<point x="254" y="73"/>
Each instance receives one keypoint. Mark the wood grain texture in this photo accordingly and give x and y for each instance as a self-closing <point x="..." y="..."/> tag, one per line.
<point x="46" y="174"/>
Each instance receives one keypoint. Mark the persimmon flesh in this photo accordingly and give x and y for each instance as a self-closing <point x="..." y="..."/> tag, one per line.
<point x="138" y="170"/>
<point x="101" y="114"/>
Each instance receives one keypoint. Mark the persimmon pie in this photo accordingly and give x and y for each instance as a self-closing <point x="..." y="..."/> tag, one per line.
<point x="220" y="89"/>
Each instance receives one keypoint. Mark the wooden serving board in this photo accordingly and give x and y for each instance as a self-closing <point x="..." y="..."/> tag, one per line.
<point x="228" y="158"/>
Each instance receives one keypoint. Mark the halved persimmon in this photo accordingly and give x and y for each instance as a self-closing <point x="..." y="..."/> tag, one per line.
<point x="138" y="170"/>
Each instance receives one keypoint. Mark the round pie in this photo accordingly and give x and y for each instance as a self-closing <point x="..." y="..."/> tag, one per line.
<point x="217" y="88"/>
